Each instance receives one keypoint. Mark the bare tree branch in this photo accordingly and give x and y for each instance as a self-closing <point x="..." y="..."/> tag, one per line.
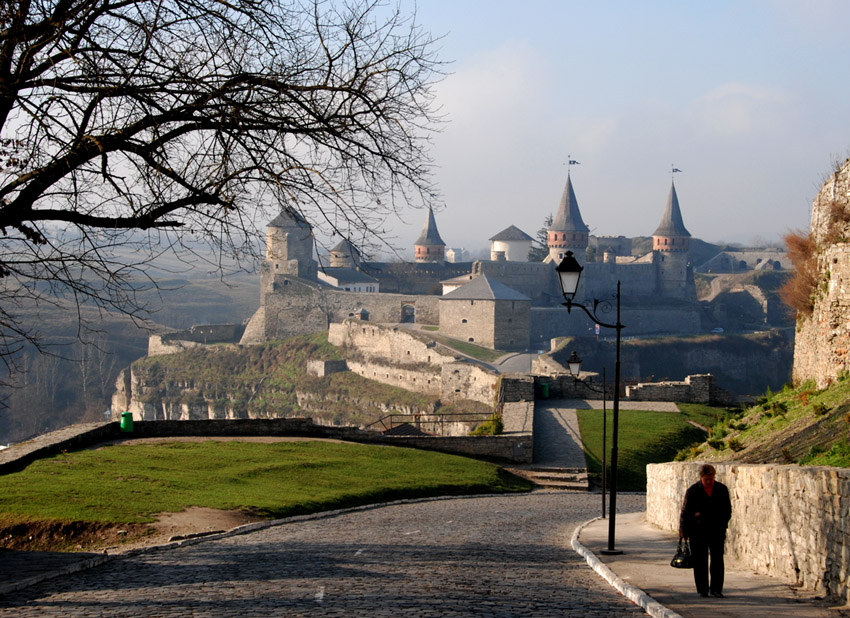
<point x="198" y="119"/>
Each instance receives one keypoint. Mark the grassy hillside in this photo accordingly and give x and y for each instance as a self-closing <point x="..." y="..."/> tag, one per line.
<point x="265" y="380"/>
<point x="795" y="425"/>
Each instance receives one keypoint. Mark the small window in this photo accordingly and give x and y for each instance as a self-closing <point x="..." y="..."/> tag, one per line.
<point x="472" y="339"/>
<point x="463" y="321"/>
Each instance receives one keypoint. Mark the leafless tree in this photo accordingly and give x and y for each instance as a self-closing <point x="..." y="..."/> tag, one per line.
<point x="134" y="127"/>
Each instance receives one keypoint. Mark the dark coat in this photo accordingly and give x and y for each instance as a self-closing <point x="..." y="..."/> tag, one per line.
<point x="703" y="516"/>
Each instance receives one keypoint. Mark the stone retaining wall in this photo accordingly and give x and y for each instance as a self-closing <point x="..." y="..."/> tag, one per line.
<point x="516" y="448"/>
<point x="700" y="388"/>
<point x="789" y="522"/>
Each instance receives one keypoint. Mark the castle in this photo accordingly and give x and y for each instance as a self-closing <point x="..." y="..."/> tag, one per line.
<point x="518" y="302"/>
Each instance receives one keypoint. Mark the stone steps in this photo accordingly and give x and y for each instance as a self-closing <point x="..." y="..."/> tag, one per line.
<point x="552" y="477"/>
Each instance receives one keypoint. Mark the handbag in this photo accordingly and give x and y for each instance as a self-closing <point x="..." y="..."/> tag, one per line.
<point x="682" y="559"/>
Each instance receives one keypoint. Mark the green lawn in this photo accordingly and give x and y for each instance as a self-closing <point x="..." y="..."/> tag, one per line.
<point x="644" y="437"/>
<point x="131" y="483"/>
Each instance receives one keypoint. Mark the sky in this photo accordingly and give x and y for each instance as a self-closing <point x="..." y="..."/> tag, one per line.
<point x="750" y="99"/>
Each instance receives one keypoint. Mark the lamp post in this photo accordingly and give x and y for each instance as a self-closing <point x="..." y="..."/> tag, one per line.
<point x="569" y="274"/>
<point x="574" y="366"/>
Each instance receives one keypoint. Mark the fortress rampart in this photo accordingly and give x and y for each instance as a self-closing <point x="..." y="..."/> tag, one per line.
<point x="822" y="347"/>
<point x="789" y="522"/>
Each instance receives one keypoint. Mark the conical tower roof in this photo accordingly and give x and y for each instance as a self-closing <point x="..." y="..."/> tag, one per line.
<point x="568" y="218"/>
<point x="346" y="247"/>
<point x="430" y="235"/>
<point x="671" y="223"/>
<point x="289" y="220"/>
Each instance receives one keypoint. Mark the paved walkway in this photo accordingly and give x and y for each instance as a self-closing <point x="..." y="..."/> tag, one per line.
<point x="643" y="569"/>
<point x="557" y="442"/>
<point x="488" y="556"/>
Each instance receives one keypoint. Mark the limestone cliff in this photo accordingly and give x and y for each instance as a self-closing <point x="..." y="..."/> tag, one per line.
<point x="822" y="349"/>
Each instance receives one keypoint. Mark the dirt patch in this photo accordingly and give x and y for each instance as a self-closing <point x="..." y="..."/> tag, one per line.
<point x="88" y="536"/>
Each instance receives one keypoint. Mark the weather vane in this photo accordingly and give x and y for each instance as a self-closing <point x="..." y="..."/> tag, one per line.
<point x="673" y="171"/>
<point x="570" y="163"/>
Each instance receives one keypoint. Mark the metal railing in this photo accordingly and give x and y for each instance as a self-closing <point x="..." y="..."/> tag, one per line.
<point x="432" y="424"/>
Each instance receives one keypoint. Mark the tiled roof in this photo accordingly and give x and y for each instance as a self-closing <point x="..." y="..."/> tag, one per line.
<point x="512" y="233"/>
<point x="485" y="288"/>
<point x="289" y="220"/>
<point x="348" y="275"/>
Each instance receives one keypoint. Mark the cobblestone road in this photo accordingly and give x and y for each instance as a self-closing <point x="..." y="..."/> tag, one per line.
<point x="489" y="556"/>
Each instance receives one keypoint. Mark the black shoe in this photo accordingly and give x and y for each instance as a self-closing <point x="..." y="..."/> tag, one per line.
<point x="719" y="595"/>
<point x="703" y="594"/>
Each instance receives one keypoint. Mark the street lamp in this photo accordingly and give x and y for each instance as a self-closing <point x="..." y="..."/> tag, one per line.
<point x="569" y="274"/>
<point x="574" y="366"/>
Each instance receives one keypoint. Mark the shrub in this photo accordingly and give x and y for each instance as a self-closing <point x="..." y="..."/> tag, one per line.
<point x="689" y="452"/>
<point x="735" y="444"/>
<point x="820" y="408"/>
<point x="493" y="426"/>
<point x="798" y="292"/>
<point x="716" y="444"/>
<point x="778" y="408"/>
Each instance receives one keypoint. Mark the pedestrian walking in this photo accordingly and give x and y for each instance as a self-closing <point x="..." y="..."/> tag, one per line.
<point x="706" y="511"/>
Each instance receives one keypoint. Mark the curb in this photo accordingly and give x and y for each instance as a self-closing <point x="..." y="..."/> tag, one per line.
<point x="634" y="594"/>
<point x="82" y="565"/>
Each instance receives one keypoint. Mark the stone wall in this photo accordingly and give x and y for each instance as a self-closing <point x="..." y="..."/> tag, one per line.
<point x="403" y="358"/>
<point x="495" y="324"/>
<point x="517" y="449"/>
<point x="822" y="350"/>
<point x="469" y="381"/>
<point x="789" y="522"/>
<point x="693" y="389"/>
<point x="193" y="337"/>
<point x="402" y="346"/>
<point x="565" y="386"/>
<point x="322" y="368"/>
<point x="418" y="380"/>
<point x="298" y="307"/>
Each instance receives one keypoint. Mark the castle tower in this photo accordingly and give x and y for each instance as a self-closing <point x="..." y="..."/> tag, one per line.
<point x="345" y="255"/>
<point x="429" y="247"/>
<point x="671" y="243"/>
<point x="289" y="246"/>
<point x="567" y="232"/>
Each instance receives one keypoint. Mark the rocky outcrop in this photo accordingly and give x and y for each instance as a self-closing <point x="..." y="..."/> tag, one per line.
<point x="822" y="350"/>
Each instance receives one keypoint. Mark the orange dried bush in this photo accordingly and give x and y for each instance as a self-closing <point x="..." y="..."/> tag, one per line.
<point x="799" y="290"/>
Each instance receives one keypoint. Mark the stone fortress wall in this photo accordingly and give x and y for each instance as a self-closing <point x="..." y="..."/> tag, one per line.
<point x="194" y="336"/>
<point x="700" y="388"/>
<point x="822" y="349"/>
<point x="399" y="357"/>
<point x="789" y="522"/>
<point x="298" y="307"/>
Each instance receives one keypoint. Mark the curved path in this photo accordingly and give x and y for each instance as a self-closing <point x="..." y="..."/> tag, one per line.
<point x="488" y="556"/>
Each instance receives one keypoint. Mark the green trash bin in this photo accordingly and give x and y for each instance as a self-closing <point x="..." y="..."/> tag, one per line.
<point x="127" y="422"/>
<point x="544" y="391"/>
